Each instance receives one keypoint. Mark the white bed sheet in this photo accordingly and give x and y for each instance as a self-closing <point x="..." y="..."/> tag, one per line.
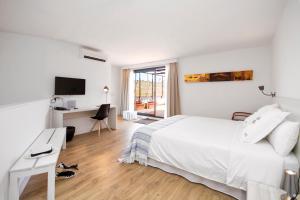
<point x="256" y="162"/>
<point x="211" y="148"/>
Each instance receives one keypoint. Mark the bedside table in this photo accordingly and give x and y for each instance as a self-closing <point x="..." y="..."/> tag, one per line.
<point x="259" y="191"/>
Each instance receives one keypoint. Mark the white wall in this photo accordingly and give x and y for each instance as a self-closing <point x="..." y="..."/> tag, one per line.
<point x="29" y="64"/>
<point x="19" y="126"/>
<point x="221" y="99"/>
<point x="286" y="53"/>
<point x="115" y="86"/>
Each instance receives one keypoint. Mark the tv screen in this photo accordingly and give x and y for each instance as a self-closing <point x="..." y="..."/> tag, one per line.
<point x="69" y="86"/>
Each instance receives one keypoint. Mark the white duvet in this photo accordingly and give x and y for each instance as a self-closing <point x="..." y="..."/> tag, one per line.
<point x="211" y="148"/>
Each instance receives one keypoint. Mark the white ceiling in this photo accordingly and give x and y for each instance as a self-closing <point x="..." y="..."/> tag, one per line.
<point x="137" y="31"/>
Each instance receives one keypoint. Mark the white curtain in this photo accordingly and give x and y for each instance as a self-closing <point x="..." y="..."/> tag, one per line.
<point x="173" y="98"/>
<point x="125" y="90"/>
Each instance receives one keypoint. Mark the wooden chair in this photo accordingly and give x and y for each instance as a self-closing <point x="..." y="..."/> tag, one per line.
<point x="102" y="115"/>
<point x="240" y="116"/>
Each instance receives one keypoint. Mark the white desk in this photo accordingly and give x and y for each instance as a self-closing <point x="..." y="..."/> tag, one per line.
<point x="28" y="167"/>
<point x="59" y="115"/>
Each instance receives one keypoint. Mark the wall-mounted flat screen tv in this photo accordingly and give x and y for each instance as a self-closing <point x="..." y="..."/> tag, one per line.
<point x="69" y="86"/>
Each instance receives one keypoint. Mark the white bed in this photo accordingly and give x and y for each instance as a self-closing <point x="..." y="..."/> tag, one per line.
<point x="209" y="151"/>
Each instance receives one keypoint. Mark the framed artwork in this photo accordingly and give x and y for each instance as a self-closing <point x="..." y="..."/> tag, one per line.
<point x="219" y="76"/>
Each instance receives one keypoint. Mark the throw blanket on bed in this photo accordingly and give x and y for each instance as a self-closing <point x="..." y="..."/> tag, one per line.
<point x="138" y="148"/>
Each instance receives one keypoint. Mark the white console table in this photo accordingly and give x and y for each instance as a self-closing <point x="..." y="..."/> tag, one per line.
<point x="25" y="166"/>
<point x="59" y="115"/>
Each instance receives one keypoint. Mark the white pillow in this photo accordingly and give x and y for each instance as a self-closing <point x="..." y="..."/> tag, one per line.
<point x="263" y="125"/>
<point x="284" y="137"/>
<point x="259" y="112"/>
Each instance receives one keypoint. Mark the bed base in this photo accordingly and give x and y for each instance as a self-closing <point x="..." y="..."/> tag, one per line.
<point x="236" y="193"/>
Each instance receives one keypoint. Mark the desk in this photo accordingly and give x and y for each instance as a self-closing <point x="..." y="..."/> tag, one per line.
<point x="58" y="116"/>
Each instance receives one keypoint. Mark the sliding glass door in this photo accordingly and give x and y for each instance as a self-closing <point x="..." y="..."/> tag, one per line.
<point x="149" y="91"/>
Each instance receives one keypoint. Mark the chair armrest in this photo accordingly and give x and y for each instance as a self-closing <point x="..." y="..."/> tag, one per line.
<point x="240" y="116"/>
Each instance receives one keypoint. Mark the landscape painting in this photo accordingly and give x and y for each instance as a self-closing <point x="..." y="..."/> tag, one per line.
<point x="220" y="76"/>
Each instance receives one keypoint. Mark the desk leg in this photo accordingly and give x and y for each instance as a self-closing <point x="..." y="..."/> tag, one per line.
<point x="65" y="143"/>
<point x="112" y="118"/>
<point x="13" y="187"/>
<point x="51" y="183"/>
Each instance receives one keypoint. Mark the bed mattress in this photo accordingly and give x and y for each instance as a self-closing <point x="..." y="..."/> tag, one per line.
<point x="211" y="148"/>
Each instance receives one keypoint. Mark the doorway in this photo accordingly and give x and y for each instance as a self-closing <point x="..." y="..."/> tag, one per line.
<point x="150" y="91"/>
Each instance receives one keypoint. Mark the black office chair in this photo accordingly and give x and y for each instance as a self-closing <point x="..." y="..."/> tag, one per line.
<point x="102" y="115"/>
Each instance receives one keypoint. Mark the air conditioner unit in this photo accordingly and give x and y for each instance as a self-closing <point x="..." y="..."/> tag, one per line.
<point x="92" y="55"/>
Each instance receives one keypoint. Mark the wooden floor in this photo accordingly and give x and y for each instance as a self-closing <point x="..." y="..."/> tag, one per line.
<point x="101" y="177"/>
